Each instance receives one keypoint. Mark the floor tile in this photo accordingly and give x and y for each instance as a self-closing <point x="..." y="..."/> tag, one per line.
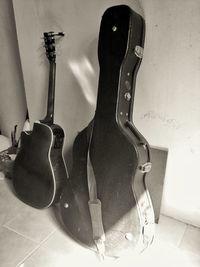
<point x="164" y="255"/>
<point x="169" y="230"/>
<point x="190" y="259"/>
<point x="60" y="250"/>
<point x="44" y="257"/>
<point x="30" y="237"/>
<point x="32" y="223"/>
<point x="10" y="205"/>
<point x="13" y="248"/>
<point x="191" y="240"/>
<point x="61" y="242"/>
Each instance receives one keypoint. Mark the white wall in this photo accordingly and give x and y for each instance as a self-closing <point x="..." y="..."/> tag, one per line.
<point x="12" y="95"/>
<point x="167" y="109"/>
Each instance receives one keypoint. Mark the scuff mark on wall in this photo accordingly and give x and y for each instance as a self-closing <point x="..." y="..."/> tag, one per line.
<point x="167" y="121"/>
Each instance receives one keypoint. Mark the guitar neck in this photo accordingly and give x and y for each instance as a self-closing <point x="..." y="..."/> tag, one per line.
<point x="49" y="118"/>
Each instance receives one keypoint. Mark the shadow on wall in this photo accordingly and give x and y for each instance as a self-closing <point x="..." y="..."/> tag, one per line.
<point x="12" y="93"/>
<point x="84" y="71"/>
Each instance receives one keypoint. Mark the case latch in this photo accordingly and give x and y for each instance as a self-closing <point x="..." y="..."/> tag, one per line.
<point x="146" y="167"/>
<point x="139" y="51"/>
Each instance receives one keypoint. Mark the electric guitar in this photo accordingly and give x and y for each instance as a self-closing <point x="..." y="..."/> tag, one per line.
<point x="106" y="204"/>
<point x="39" y="169"/>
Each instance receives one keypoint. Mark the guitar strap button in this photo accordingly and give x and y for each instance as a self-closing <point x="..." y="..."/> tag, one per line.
<point x="66" y="205"/>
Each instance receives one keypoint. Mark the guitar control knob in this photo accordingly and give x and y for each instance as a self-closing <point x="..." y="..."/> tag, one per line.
<point x="127" y="96"/>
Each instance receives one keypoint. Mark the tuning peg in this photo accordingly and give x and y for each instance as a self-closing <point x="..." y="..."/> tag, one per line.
<point x="61" y="33"/>
<point x="58" y="33"/>
<point x="51" y="34"/>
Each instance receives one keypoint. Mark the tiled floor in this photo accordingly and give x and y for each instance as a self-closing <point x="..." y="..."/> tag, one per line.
<point x="33" y="238"/>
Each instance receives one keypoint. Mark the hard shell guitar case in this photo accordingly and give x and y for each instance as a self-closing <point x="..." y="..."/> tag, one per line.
<point x="106" y="204"/>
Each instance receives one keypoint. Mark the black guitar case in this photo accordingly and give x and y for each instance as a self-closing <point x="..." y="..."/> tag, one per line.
<point x="112" y="149"/>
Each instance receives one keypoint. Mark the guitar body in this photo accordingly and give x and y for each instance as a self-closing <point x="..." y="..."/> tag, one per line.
<point x="119" y="154"/>
<point x="39" y="168"/>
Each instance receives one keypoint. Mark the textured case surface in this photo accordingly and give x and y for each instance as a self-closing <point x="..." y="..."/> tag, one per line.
<point x="117" y="149"/>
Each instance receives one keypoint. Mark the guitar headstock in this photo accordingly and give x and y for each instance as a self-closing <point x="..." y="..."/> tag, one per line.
<point x="49" y="40"/>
